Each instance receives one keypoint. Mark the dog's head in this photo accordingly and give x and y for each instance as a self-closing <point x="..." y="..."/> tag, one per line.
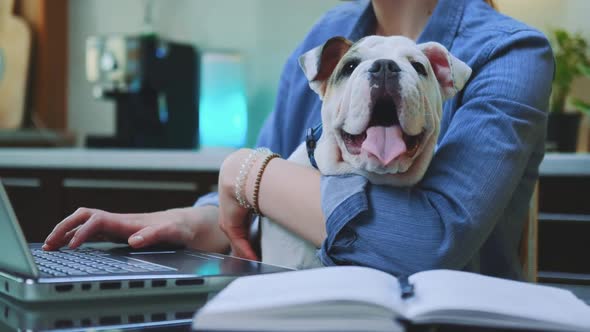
<point x="382" y="104"/>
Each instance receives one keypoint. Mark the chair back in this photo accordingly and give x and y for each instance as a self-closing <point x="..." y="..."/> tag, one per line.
<point x="528" y="241"/>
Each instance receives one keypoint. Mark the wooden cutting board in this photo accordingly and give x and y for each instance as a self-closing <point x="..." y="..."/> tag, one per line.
<point x="15" y="48"/>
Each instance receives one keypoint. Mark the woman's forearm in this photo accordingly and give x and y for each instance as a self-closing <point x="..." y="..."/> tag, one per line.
<point x="290" y="195"/>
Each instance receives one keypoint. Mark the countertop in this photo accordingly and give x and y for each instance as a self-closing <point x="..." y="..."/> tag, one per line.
<point x="209" y="159"/>
<point x="566" y="164"/>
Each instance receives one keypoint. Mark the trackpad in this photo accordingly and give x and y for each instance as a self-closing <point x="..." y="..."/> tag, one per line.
<point x="183" y="261"/>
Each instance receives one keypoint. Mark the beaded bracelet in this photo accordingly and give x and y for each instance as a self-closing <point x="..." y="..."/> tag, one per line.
<point x="255" y="194"/>
<point x="240" y="182"/>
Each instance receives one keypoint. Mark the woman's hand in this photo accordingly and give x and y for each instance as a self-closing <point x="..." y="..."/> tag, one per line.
<point x="193" y="227"/>
<point x="232" y="216"/>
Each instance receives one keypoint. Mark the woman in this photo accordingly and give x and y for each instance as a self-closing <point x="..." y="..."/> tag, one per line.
<point x="468" y="211"/>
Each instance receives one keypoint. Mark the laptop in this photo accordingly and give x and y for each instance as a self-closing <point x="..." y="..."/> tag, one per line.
<point x="101" y="270"/>
<point x="160" y="313"/>
<point x="165" y="313"/>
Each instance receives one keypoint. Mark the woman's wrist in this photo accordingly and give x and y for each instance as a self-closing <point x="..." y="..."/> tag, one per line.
<point x="289" y="194"/>
<point x="203" y="225"/>
<point x="247" y="167"/>
<point x="254" y="178"/>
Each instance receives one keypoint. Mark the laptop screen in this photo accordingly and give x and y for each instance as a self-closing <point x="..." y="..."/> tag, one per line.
<point x="15" y="256"/>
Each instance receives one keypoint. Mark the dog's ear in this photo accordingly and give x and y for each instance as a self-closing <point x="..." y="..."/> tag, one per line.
<point x="451" y="73"/>
<point x="319" y="63"/>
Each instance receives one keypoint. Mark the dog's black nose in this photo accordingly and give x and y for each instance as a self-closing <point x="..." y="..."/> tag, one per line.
<point x="384" y="66"/>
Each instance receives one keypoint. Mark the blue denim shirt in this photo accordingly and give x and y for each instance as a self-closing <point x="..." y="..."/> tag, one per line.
<point x="469" y="210"/>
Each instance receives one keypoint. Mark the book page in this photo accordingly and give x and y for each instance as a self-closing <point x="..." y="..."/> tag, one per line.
<point x="331" y="284"/>
<point x="462" y="295"/>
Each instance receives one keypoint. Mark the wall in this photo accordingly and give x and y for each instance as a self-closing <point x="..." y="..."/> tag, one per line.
<point x="264" y="31"/>
<point x="545" y="15"/>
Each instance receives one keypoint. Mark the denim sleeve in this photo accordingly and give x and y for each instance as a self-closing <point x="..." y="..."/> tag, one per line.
<point x="208" y="199"/>
<point x="269" y="135"/>
<point x="443" y="221"/>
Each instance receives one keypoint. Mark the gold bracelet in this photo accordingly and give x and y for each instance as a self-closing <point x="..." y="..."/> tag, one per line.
<point x="256" y="192"/>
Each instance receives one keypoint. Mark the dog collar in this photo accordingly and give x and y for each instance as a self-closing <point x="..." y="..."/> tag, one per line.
<point x="311" y="140"/>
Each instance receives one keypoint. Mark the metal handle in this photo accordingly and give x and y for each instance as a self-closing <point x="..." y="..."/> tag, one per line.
<point x="21" y="182"/>
<point x="130" y="184"/>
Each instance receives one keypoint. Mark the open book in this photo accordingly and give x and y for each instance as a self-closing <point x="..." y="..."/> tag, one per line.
<point x="353" y="298"/>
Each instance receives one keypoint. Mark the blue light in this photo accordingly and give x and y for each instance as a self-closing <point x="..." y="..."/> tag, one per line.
<point x="223" y="113"/>
<point x="209" y="269"/>
<point x="161" y="52"/>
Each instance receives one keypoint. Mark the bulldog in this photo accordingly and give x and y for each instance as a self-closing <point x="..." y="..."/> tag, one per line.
<point x="381" y="109"/>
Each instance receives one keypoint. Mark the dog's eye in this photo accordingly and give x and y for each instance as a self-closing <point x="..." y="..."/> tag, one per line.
<point x="420" y="69"/>
<point x="349" y="67"/>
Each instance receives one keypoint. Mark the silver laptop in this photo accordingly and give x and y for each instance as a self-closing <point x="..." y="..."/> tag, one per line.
<point x="95" y="271"/>
<point x="163" y="313"/>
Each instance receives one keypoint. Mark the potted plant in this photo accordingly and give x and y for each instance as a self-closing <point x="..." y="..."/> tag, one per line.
<point x="572" y="61"/>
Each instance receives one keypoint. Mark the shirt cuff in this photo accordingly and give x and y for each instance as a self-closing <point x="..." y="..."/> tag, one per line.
<point x="343" y="198"/>
<point x="209" y="199"/>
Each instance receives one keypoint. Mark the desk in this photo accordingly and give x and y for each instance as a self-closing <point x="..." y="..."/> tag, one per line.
<point x="142" y="314"/>
<point x="167" y="313"/>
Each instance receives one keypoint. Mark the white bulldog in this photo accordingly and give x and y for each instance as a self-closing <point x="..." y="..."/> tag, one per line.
<point x="382" y="105"/>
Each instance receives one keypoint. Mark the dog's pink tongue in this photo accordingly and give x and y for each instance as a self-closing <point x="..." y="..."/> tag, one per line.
<point x="385" y="143"/>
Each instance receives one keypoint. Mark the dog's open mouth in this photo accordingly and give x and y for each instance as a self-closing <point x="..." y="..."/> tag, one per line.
<point x="384" y="137"/>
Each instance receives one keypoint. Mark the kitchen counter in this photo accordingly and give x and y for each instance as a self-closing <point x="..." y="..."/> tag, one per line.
<point x="566" y="164"/>
<point x="209" y="159"/>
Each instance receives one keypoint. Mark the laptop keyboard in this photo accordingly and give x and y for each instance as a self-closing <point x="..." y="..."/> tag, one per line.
<point x="80" y="262"/>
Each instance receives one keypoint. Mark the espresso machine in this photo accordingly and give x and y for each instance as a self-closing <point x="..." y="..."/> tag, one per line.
<point x="154" y="86"/>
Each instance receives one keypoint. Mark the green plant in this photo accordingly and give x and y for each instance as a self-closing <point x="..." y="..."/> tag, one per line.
<point x="571" y="60"/>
